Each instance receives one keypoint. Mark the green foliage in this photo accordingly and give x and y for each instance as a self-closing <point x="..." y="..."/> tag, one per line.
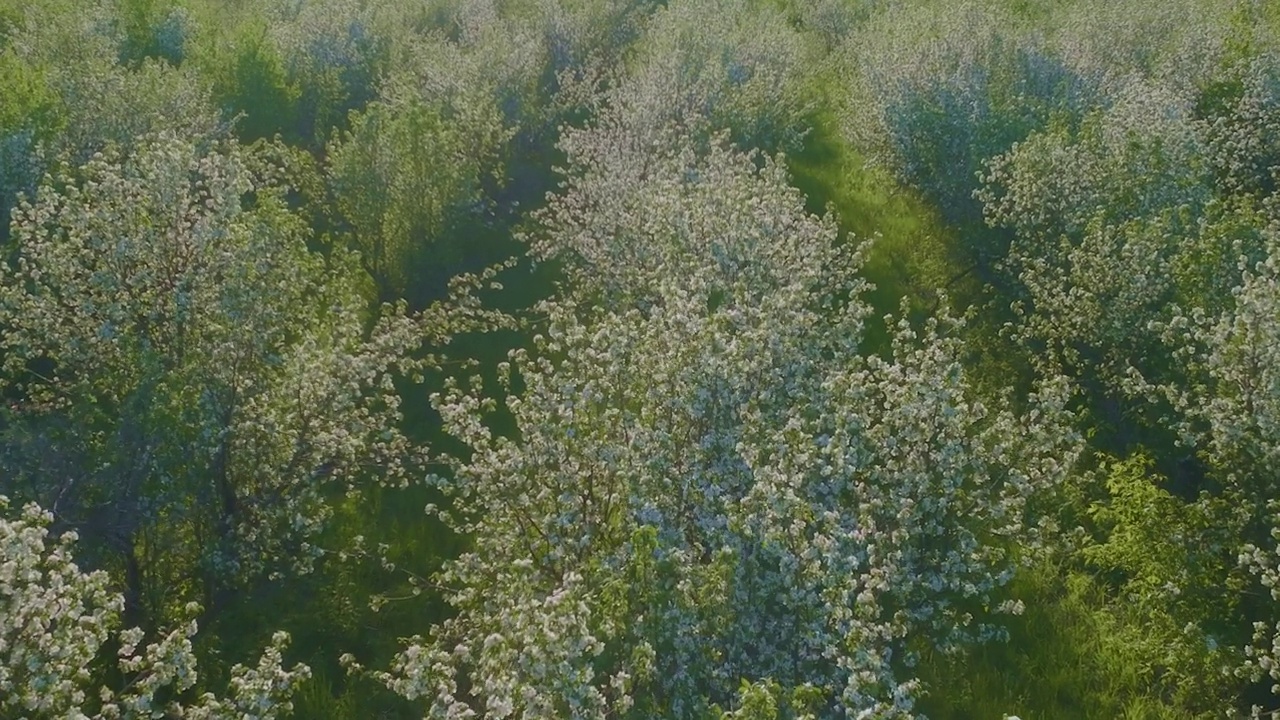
<point x="1168" y="562"/>
<point x="157" y="29"/>
<point x="1063" y="659"/>
<point x="765" y="700"/>
<point x="912" y="254"/>
<point x="30" y="101"/>
<point x="333" y="53"/>
<point x="756" y="701"/>
<point x="250" y="83"/>
<point x="31" y="112"/>
<point x="1133" y="624"/>
<point x="408" y="178"/>
<point x="67" y="97"/>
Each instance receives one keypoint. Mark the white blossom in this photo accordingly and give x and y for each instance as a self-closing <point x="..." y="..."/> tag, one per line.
<point x="56" y="620"/>
<point x="710" y="482"/>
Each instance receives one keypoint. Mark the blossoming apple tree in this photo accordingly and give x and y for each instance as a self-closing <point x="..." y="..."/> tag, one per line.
<point x="187" y="383"/>
<point x="711" y="488"/>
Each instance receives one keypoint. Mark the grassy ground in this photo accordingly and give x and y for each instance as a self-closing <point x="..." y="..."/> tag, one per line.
<point x="910" y="252"/>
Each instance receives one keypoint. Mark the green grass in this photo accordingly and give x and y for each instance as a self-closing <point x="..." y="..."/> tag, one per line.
<point x="912" y="252"/>
<point x="1064" y="659"/>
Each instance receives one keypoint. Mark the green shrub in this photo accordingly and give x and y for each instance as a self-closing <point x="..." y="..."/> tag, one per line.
<point x="250" y="83"/>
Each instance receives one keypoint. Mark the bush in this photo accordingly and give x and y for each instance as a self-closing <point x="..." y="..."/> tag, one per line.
<point x="406" y="177"/>
<point x="250" y="83"/>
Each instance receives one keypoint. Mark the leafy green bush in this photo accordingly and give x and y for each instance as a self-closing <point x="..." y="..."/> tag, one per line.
<point x="159" y="29"/>
<point x="250" y="83"/>
<point x="414" y="176"/>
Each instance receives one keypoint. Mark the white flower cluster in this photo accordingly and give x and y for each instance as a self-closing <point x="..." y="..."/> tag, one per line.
<point x="939" y="90"/>
<point x="56" y="622"/>
<point x="332" y="51"/>
<point x="193" y="376"/>
<point x="1113" y="44"/>
<point x="737" y="64"/>
<point x="710" y="483"/>
<point x="1229" y="402"/>
<point x="1262" y="656"/>
<point x="1149" y="204"/>
<point x="705" y="65"/>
